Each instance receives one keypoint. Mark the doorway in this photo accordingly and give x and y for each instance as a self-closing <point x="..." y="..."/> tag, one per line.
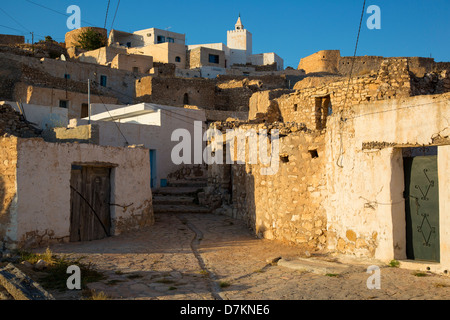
<point x="153" y="175"/>
<point x="90" y="217"/>
<point x="422" y="205"/>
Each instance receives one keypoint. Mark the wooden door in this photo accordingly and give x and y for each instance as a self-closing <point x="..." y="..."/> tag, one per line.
<point x="422" y="208"/>
<point x="90" y="217"/>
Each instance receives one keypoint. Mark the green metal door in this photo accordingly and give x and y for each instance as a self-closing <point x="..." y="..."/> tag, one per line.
<point x="422" y="208"/>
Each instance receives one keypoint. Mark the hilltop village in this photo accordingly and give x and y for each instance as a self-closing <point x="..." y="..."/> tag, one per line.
<point x="364" y="147"/>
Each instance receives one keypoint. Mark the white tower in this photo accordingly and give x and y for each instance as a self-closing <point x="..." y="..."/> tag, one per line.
<point x="239" y="41"/>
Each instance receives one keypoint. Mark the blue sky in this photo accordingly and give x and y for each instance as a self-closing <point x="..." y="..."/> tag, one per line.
<point x="291" y="28"/>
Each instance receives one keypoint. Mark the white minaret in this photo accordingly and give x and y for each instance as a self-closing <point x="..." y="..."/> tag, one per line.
<point x="239" y="41"/>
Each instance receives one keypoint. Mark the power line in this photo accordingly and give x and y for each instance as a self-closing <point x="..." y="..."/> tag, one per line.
<point x="118" y="128"/>
<point x="21" y="25"/>
<point x="21" y="32"/>
<point x="341" y="124"/>
<point x="115" y="14"/>
<point x="55" y="11"/>
<point x="107" y="10"/>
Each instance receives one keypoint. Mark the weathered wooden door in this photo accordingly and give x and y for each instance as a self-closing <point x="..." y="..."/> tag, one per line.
<point x="90" y="217"/>
<point x="422" y="208"/>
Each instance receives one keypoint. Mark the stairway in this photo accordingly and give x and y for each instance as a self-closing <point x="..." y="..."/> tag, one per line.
<point x="180" y="196"/>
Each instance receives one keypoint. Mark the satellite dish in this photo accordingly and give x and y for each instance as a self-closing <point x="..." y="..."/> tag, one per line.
<point x="63" y="57"/>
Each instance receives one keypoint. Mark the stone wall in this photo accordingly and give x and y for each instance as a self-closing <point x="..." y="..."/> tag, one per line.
<point x="330" y="61"/>
<point x="322" y="61"/>
<point x="13" y="123"/>
<point x="71" y="37"/>
<point x="286" y="206"/>
<point x="11" y="39"/>
<point x="8" y="186"/>
<point x="176" y="91"/>
<point x="80" y="134"/>
<point x="307" y="105"/>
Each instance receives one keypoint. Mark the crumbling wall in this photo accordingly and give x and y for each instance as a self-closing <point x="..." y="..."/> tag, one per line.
<point x="303" y="106"/>
<point x="321" y="61"/>
<point x="176" y="91"/>
<point x="13" y="123"/>
<point x="8" y="187"/>
<point x="11" y="39"/>
<point x="71" y="37"/>
<point x="285" y="206"/>
<point x="260" y="101"/>
<point x="431" y="83"/>
<point x="79" y="134"/>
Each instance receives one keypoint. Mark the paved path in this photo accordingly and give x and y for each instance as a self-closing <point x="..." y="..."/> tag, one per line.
<point x="205" y="257"/>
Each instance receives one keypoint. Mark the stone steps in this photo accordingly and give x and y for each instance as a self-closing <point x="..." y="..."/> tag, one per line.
<point x="179" y="197"/>
<point x="187" y="183"/>
<point x="169" y="191"/>
<point x="161" y="208"/>
<point x="172" y="200"/>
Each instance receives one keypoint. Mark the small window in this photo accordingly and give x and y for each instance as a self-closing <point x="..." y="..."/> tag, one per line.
<point x="295" y="107"/>
<point x="129" y="44"/>
<point x="66" y="76"/>
<point x="103" y="80"/>
<point x="177" y="59"/>
<point x="149" y="35"/>
<point x="214" y="58"/>
<point x="161" y="39"/>
<point x="314" y="154"/>
<point x="64" y="104"/>
<point x="170" y="40"/>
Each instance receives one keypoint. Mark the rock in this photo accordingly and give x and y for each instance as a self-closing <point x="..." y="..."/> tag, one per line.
<point x="20" y="286"/>
<point x="40" y="265"/>
<point x="26" y="264"/>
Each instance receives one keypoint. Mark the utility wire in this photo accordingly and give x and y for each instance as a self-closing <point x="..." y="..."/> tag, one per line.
<point x="115" y="14"/>
<point x="341" y="123"/>
<point x="55" y="11"/>
<point x="107" y="10"/>
<point x="118" y="128"/>
<point x="18" y="23"/>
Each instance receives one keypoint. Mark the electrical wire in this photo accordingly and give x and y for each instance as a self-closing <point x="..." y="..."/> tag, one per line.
<point x="118" y="128"/>
<point x="107" y="10"/>
<point x="115" y="14"/>
<point x="18" y="23"/>
<point x="55" y="11"/>
<point x="341" y="123"/>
